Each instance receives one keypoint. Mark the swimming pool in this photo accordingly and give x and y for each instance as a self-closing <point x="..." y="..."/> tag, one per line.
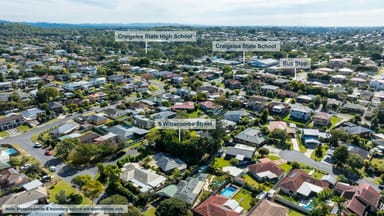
<point x="11" y="151"/>
<point x="228" y="191"/>
<point x="308" y="204"/>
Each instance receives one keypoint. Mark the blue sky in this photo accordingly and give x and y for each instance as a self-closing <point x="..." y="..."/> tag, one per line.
<point x="208" y="12"/>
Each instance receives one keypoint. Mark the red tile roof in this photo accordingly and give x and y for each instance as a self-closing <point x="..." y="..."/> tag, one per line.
<point x="356" y="207"/>
<point x="296" y="178"/>
<point x="368" y="195"/>
<point x="213" y="206"/>
<point x="186" y="105"/>
<point x="268" y="208"/>
<point x="209" y="105"/>
<point x="265" y="166"/>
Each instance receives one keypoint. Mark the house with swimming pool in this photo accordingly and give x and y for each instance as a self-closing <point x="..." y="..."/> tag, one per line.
<point x="300" y="184"/>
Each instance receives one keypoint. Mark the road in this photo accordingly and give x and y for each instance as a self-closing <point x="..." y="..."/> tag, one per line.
<point x="25" y="142"/>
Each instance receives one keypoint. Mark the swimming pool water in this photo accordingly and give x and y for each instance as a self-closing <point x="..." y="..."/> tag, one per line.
<point x="10" y="151"/>
<point x="228" y="191"/>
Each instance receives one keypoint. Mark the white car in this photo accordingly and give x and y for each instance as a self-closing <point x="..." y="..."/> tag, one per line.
<point x="52" y="168"/>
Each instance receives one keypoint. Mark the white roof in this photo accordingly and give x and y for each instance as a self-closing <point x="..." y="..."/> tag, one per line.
<point x="306" y="188"/>
<point x="267" y="174"/>
<point x="233" y="171"/>
<point x="32" y="185"/>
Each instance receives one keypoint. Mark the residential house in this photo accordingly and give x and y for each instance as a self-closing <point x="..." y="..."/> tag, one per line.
<point x="311" y="137"/>
<point x="273" y="125"/>
<point x="25" y="199"/>
<point x="240" y="152"/>
<point x="263" y="63"/>
<point x="377" y="84"/>
<point x="235" y="115"/>
<point x="218" y="205"/>
<point x="300" y="112"/>
<point x="11" y="178"/>
<point x="114" y="113"/>
<point x="269" y="208"/>
<point x="360" y="199"/>
<point x="11" y="122"/>
<point x="97" y="119"/>
<point x="233" y="84"/>
<point x="144" y="179"/>
<point x="125" y="133"/>
<point x="64" y="129"/>
<point x="250" y="136"/>
<point x="109" y="137"/>
<point x="164" y="115"/>
<point x="211" y="107"/>
<point x="97" y="97"/>
<point x="269" y="90"/>
<point x="167" y="163"/>
<point x="88" y="137"/>
<point x="186" y="190"/>
<point x="299" y="183"/>
<point x="266" y="171"/>
<point x="55" y="106"/>
<point x="322" y="119"/>
<point x="143" y="122"/>
<point x="32" y="114"/>
<point x="189" y="106"/>
<point x="278" y="108"/>
<point x="353" y="108"/>
<point x="353" y="129"/>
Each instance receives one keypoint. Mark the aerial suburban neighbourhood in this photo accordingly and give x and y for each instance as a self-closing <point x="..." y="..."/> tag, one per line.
<point x="88" y="119"/>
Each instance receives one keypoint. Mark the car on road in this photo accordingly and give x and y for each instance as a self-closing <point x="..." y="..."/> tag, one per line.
<point x="52" y="168"/>
<point x="37" y="145"/>
<point x="48" y="152"/>
<point x="26" y="166"/>
<point x="381" y="187"/>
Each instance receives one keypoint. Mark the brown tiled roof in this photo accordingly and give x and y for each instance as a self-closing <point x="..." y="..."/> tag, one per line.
<point x="266" y="166"/>
<point x="88" y="137"/>
<point x="368" y="195"/>
<point x="210" y="105"/>
<point x="356" y="207"/>
<point x="268" y="208"/>
<point x="11" y="177"/>
<point x="213" y="206"/>
<point x="296" y="178"/>
<point x="185" y="105"/>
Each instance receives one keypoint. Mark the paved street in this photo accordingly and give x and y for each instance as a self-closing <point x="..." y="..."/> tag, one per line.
<point x="25" y="142"/>
<point x="301" y="158"/>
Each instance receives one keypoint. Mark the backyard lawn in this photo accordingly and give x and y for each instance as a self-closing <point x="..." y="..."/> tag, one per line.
<point x="244" y="198"/>
<point x="334" y="121"/>
<point x="294" y="213"/>
<point x="151" y="211"/>
<point x="220" y="163"/>
<point x="64" y="186"/>
<point x="254" y="183"/>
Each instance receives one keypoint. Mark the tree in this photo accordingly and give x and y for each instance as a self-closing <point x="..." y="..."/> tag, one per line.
<point x="172" y="207"/>
<point x="319" y="151"/>
<point x="64" y="147"/>
<point x="354" y="161"/>
<point x="280" y="137"/>
<point x="46" y="94"/>
<point x="61" y="197"/>
<point x="340" y="154"/>
<point x="81" y="180"/>
<point x="263" y="151"/>
<point x="92" y="189"/>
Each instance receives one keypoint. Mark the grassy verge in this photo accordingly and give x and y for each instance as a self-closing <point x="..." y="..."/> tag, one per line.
<point x="273" y="157"/>
<point x="4" y="134"/>
<point x="61" y="185"/>
<point x="23" y="128"/>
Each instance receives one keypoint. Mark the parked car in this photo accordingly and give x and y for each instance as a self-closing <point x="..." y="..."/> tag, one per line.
<point x="46" y="178"/>
<point x="26" y="166"/>
<point x="48" y="152"/>
<point x="52" y="168"/>
<point x="37" y="145"/>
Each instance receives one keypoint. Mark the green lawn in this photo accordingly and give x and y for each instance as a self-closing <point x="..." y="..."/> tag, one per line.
<point x="286" y="167"/>
<point x="4" y="134"/>
<point x="220" y="163"/>
<point x="244" y="198"/>
<point x="62" y="185"/>
<point x="298" y="123"/>
<point x="23" y="128"/>
<point x="254" y="183"/>
<point x="273" y="157"/>
<point x="334" y="121"/>
<point x="151" y="211"/>
<point x="316" y="174"/>
<point x="294" y="213"/>
<point x="302" y="148"/>
<point x="194" y="114"/>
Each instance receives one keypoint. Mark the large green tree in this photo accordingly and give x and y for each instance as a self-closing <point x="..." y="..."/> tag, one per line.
<point x="172" y="207"/>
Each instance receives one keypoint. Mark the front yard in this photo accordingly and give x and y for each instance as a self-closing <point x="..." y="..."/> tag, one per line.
<point x="62" y="185"/>
<point x="220" y="163"/>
